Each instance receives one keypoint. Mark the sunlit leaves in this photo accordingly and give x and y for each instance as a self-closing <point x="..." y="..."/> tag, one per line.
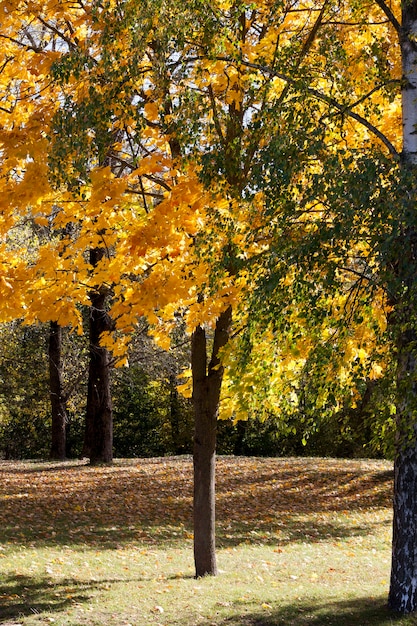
<point x="213" y="157"/>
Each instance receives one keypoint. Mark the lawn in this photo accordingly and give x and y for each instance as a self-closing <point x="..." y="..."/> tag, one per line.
<point x="300" y="541"/>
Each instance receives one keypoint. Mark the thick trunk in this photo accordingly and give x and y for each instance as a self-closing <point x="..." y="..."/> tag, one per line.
<point x="403" y="584"/>
<point x="99" y="404"/>
<point x="206" y="397"/>
<point x="204" y="461"/>
<point x="58" y="408"/>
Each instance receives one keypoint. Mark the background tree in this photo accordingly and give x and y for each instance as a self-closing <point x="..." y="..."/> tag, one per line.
<point x="58" y="401"/>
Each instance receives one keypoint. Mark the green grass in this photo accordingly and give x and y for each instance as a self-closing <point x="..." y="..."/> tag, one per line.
<point x="300" y="542"/>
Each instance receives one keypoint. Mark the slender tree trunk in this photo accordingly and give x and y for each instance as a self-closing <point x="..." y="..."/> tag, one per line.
<point x="403" y="584"/>
<point x="58" y="408"/>
<point x="99" y="404"/>
<point x="241" y="428"/>
<point x="88" y="429"/>
<point x="207" y="382"/>
<point x="174" y="414"/>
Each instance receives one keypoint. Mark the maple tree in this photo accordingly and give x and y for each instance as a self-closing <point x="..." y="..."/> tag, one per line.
<point x="82" y="148"/>
<point x="296" y="143"/>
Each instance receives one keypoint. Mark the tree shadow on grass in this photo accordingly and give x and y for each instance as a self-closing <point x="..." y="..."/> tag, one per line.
<point x="355" y="612"/>
<point x="41" y="466"/>
<point x="312" y="530"/>
<point x="25" y="595"/>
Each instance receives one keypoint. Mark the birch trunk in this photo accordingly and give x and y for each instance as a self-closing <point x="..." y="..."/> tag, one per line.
<point x="403" y="584"/>
<point x="409" y="89"/>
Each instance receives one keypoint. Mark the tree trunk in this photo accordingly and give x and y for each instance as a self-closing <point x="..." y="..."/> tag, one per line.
<point x="206" y="397"/>
<point x="409" y="88"/>
<point x="239" y="447"/>
<point x="174" y="414"/>
<point x="88" y="428"/>
<point x="58" y="408"/>
<point x="403" y="584"/>
<point x="99" y="404"/>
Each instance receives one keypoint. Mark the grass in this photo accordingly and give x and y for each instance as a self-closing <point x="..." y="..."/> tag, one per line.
<point x="300" y="542"/>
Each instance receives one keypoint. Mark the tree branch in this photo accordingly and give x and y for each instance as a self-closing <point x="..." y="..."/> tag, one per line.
<point x="343" y="109"/>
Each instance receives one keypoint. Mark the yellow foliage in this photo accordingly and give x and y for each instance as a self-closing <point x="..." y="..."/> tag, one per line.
<point x="162" y="230"/>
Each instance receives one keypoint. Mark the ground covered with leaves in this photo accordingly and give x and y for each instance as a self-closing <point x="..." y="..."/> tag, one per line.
<point x="300" y="541"/>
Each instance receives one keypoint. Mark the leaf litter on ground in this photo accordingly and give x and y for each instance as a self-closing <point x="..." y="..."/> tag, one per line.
<point x="300" y="541"/>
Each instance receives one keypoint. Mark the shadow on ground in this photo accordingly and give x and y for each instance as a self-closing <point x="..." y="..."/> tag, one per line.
<point x="357" y="612"/>
<point x="22" y="596"/>
<point x="25" y="595"/>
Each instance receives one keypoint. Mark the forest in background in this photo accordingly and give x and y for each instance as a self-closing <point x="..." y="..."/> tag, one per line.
<point x="151" y="418"/>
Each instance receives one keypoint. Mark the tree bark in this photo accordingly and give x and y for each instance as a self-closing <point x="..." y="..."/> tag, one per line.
<point x="207" y="382"/>
<point x="58" y="403"/>
<point x="403" y="583"/>
<point x="409" y="88"/>
<point x="99" y="403"/>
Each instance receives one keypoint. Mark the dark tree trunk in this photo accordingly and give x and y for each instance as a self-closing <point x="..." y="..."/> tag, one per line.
<point x="239" y="447"/>
<point x="207" y="382"/>
<point x="58" y="408"/>
<point x="99" y="419"/>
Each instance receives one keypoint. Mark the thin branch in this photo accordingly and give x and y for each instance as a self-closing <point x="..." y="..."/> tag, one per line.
<point x="313" y="32"/>
<point x="215" y="115"/>
<point x="143" y="194"/>
<point x="150" y="194"/>
<point x="306" y="47"/>
<point x="342" y="23"/>
<point x="361" y="275"/>
<point x="57" y="32"/>
<point x="343" y="109"/>
<point x="394" y="81"/>
<point x="21" y="44"/>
